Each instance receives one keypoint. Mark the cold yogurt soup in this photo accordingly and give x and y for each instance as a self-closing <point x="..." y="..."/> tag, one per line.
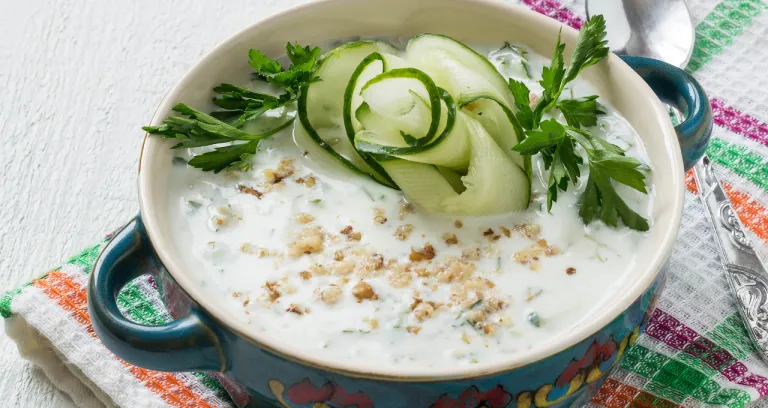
<point x="463" y="263"/>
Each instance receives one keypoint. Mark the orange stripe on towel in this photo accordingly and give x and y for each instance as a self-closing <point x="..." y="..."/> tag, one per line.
<point x="72" y="297"/>
<point x="752" y="214"/>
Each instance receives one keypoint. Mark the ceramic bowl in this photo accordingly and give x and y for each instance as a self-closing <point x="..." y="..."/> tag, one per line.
<point x="259" y="371"/>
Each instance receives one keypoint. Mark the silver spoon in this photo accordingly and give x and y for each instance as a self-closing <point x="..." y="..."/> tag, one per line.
<point x="662" y="29"/>
<point x="658" y="29"/>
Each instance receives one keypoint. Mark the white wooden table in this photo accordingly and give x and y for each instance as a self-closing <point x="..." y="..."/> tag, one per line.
<point x="78" y="78"/>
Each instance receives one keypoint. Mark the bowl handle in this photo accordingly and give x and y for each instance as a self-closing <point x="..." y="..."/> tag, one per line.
<point x="678" y="88"/>
<point x="186" y="344"/>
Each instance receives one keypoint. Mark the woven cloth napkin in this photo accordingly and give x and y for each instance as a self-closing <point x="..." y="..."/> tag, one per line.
<point x="695" y="351"/>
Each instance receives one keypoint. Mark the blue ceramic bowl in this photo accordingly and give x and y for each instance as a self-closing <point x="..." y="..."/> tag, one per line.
<point x="261" y="372"/>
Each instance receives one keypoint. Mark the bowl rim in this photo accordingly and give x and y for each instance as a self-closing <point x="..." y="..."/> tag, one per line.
<point x="570" y="339"/>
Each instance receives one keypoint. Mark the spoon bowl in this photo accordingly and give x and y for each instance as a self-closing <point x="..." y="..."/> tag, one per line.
<point x="658" y="29"/>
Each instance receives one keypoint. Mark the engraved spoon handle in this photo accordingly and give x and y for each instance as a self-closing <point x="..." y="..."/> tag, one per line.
<point x="745" y="272"/>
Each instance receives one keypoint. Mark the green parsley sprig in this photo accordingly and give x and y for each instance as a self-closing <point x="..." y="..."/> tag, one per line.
<point x="240" y="105"/>
<point x="560" y="145"/>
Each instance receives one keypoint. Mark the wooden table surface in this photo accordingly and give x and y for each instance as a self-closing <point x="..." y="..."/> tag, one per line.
<point x="78" y="78"/>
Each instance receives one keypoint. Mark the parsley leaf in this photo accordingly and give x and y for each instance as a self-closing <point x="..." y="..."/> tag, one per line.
<point x="580" y="112"/>
<point x="591" y="48"/>
<point x="300" y="73"/>
<point x="523" y="103"/>
<point x="240" y="105"/>
<point x="236" y="157"/>
<point x="606" y="162"/>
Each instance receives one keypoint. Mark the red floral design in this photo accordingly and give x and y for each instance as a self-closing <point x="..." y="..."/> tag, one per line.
<point x="304" y="393"/>
<point x="472" y="398"/>
<point x="596" y="351"/>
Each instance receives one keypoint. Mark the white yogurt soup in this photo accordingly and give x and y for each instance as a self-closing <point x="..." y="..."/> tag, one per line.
<point x="325" y="260"/>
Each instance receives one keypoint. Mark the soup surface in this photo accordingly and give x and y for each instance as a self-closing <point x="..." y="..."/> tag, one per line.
<point x="332" y="263"/>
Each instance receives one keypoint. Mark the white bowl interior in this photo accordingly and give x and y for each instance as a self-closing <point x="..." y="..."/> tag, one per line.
<point x="466" y="20"/>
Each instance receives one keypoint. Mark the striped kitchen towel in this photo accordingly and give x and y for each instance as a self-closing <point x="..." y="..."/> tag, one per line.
<point x="695" y="351"/>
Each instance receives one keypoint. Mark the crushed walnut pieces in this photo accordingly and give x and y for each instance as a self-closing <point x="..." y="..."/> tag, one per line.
<point x="490" y="235"/>
<point x="305" y="275"/>
<point x="532" y="255"/>
<point x="330" y="295"/>
<point x="363" y="291"/>
<point x="284" y="169"/>
<point x="507" y="233"/>
<point x="374" y="262"/>
<point x="413" y="329"/>
<point x="425" y="254"/>
<point x="308" y="241"/>
<point x="458" y="224"/>
<point x="570" y="271"/>
<point x="304" y="218"/>
<point x="308" y="181"/>
<point x="455" y="270"/>
<point x="299" y="310"/>
<point x="450" y="238"/>
<point x="403" y="232"/>
<point x="273" y="290"/>
<point x="378" y="216"/>
<point x="351" y="234"/>
<point x="399" y="276"/>
<point x="249" y="190"/>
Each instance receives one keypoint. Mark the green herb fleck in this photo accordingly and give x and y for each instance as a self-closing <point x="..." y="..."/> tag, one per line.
<point x="533" y="318"/>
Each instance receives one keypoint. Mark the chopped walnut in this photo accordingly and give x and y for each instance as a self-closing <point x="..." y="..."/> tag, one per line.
<point x="493" y="305"/>
<point x="318" y="270"/>
<point x="309" y="181"/>
<point x="551" y="250"/>
<point x="338" y="255"/>
<point x="331" y="295"/>
<point x="309" y="241"/>
<point x="373" y="322"/>
<point x="249" y="190"/>
<point x="305" y="275"/>
<point x="304" y="218"/>
<point x="528" y="230"/>
<point x="299" y="310"/>
<point x="351" y="235"/>
<point x="471" y="254"/>
<point x="284" y="169"/>
<point x="413" y="329"/>
<point x="405" y="209"/>
<point x="272" y="290"/>
<point x="423" y="311"/>
<point x="399" y="277"/>
<point x="426" y="253"/>
<point x="458" y="224"/>
<point x="506" y="231"/>
<point x="363" y="291"/>
<point x="343" y="268"/>
<point x="378" y="216"/>
<point x="475" y="316"/>
<point x="455" y="269"/>
<point x="403" y="232"/>
<point x="570" y="271"/>
<point x="450" y="239"/>
<point x="490" y="235"/>
<point x="374" y="262"/>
